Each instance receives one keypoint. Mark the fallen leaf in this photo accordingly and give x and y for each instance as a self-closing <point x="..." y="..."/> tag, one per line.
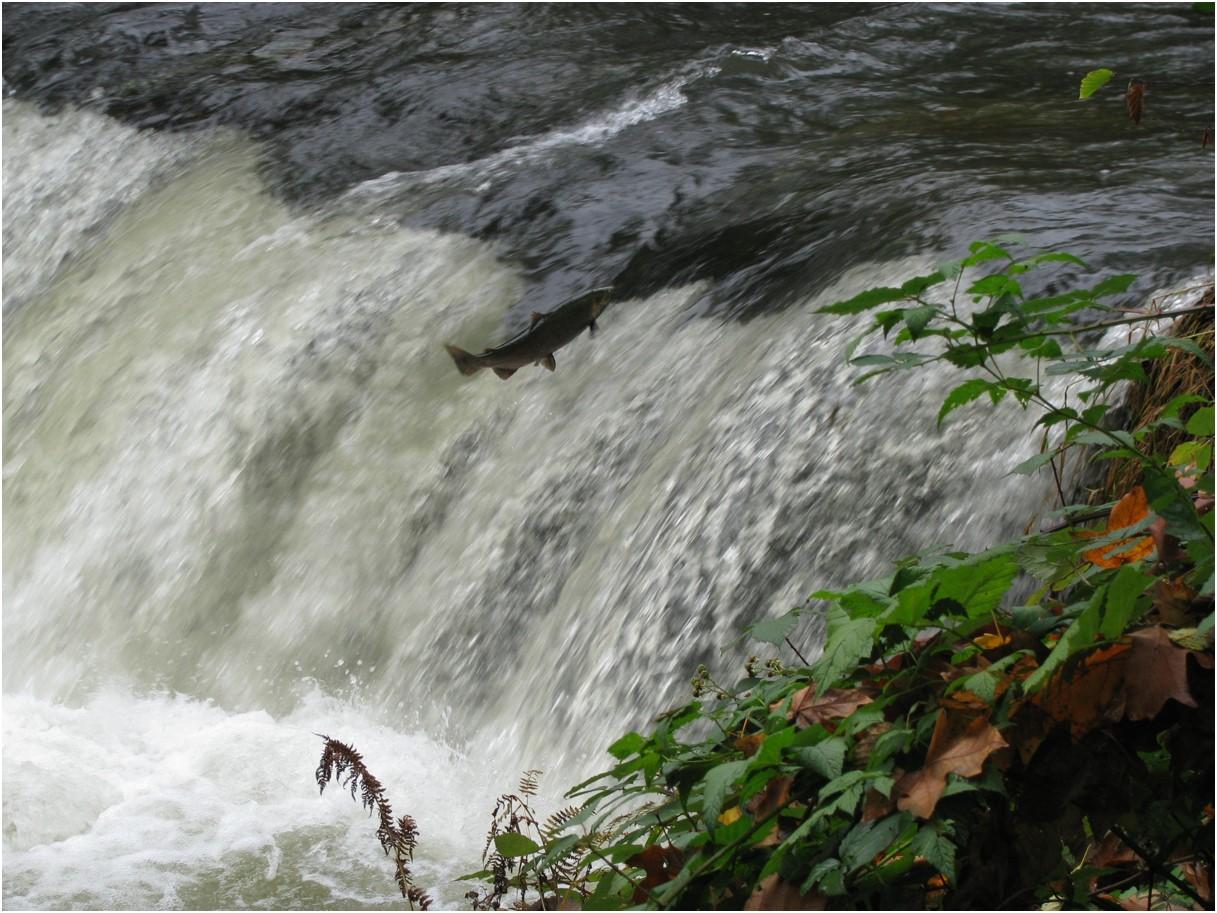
<point x="661" y="863"/>
<point x="960" y="745"/>
<point x="1193" y="639"/>
<point x="806" y="709"/>
<point x="1088" y="691"/>
<point x="1200" y="876"/>
<point x="730" y="816"/>
<point x="1128" y="511"/>
<point x="1156" y="673"/>
<point x="775" y="794"/>
<point x="876" y="805"/>
<point x="1134" y="100"/>
<point x="776" y="893"/>
<point x="1173" y="600"/>
<point x="991" y="641"/>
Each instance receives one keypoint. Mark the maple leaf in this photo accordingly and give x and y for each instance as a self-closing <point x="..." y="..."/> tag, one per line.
<point x="806" y="709"/>
<point x="1156" y="673"/>
<point x="960" y="745"/>
<point x="1128" y="511"/>
<point x="776" y="893"/>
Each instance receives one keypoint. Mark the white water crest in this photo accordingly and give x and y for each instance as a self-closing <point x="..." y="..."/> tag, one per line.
<point x="634" y="109"/>
<point x="249" y="498"/>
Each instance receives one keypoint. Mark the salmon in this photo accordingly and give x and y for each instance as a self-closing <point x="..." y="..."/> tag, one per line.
<point x="545" y="335"/>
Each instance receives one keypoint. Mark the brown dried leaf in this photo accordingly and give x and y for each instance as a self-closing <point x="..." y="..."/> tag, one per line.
<point x="960" y="745"/>
<point x="661" y="863"/>
<point x="876" y="805"/>
<point x="1088" y="692"/>
<point x="775" y="794"/>
<point x="750" y="744"/>
<point x="1173" y="600"/>
<point x="775" y="893"/>
<point x="1156" y="672"/>
<point x="1134" y="101"/>
<point x="806" y="709"/>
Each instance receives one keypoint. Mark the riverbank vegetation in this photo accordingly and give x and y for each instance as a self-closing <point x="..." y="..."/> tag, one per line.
<point x="1030" y="726"/>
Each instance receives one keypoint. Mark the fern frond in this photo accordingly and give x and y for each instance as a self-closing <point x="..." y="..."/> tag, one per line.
<point x="530" y="782"/>
<point x="341" y="763"/>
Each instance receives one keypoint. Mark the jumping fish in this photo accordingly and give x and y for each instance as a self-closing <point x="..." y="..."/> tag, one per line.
<point x="545" y="335"/>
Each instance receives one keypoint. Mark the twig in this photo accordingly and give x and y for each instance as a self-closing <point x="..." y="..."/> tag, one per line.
<point x="1155" y="866"/>
<point x="802" y="659"/>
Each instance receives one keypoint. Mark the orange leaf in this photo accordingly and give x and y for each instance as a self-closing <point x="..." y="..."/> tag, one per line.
<point x="991" y="641"/>
<point x="960" y="745"/>
<point x="775" y="893"/>
<point x="1128" y="511"/>
<point x="806" y="709"/>
<point x="1088" y="692"/>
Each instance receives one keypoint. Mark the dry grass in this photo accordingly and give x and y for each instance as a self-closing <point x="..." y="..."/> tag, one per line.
<point x="1174" y="375"/>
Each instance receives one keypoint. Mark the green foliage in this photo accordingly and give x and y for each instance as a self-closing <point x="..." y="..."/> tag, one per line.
<point x="1093" y="81"/>
<point x="867" y="778"/>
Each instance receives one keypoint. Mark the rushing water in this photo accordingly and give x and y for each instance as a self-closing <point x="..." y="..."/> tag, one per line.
<point x="248" y="498"/>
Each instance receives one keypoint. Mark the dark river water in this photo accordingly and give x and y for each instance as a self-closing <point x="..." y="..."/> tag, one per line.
<point x="248" y="498"/>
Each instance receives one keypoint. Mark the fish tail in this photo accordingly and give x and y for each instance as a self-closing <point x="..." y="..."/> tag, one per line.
<point x="465" y="363"/>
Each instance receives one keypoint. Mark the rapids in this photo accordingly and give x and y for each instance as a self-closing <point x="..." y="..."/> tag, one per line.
<point x="248" y="499"/>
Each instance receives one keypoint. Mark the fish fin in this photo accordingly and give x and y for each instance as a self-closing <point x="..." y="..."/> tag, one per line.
<point x="504" y="372"/>
<point x="465" y="363"/>
<point x="549" y="362"/>
<point x="537" y="316"/>
<point x="591" y="328"/>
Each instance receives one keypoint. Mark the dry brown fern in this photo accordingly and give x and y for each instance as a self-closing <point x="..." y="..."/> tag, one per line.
<point x="343" y="764"/>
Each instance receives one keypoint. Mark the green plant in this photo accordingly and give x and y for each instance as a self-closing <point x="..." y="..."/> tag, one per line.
<point x="950" y="747"/>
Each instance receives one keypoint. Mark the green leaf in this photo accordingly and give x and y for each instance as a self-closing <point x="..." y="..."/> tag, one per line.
<point x="864" y="301"/>
<point x="964" y="393"/>
<point x="826" y="758"/>
<point x="774" y="630"/>
<point x="1026" y="467"/>
<point x="917" y="318"/>
<point x="978" y="584"/>
<point x="628" y="744"/>
<point x="981" y="251"/>
<point x="1113" y="285"/>
<point x="934" y="842"/>
<point x="869" y="839"/>
<point x="1122" y="593"/>
<point x="1094" y="80"/>
<point x="1201" y="422"/>
<point x="715" y="786"/>
<point x="849" y="639"/>
<point x="1076" y="637"/>
<point x="829" y="874"/>
<point x="919" y="284"/>
<point x="510" y="845"/>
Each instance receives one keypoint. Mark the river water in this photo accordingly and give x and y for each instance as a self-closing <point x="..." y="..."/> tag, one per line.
<point x="248" y="499"/>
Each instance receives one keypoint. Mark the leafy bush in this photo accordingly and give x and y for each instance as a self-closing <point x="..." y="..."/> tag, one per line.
<point x="953" y="745"/>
